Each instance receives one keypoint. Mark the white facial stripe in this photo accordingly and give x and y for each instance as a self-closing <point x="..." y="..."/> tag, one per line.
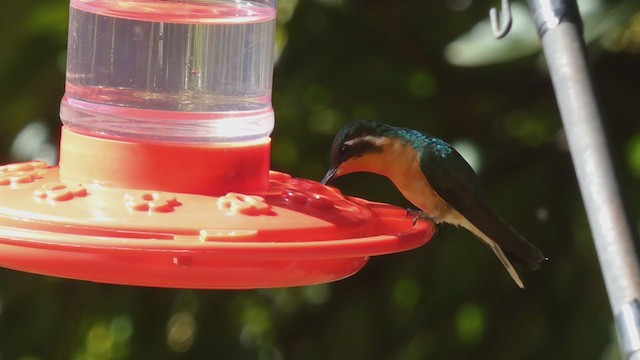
<point x="378" y="141"/>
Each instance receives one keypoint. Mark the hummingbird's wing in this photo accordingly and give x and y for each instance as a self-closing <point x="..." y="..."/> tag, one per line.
<point x="453" y="179"/>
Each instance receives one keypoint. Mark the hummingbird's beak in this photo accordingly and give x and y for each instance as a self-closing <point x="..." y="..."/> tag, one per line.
<point x="329" y="176"/>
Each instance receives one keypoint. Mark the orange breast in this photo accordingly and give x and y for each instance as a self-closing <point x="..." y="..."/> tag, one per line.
<point x="401" y="163"/>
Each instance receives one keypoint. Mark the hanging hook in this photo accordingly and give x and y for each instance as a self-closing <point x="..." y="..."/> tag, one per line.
<point x="501" y="27"/>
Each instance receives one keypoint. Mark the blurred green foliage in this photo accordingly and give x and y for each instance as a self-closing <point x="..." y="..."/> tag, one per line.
<point x="341" y="60"/>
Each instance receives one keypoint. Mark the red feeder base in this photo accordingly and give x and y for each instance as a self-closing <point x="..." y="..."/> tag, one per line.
<point x="286" y="232"/>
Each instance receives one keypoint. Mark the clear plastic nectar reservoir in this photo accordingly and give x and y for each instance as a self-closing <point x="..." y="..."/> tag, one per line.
<point x="187" y="71"/>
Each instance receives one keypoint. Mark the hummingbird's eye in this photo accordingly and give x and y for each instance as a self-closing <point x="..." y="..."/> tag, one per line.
<point x="346" y="150"/>
<point x="350" y="150"/>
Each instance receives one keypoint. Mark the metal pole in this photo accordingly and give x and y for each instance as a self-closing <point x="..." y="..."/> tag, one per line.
<point x="560" y="29"/>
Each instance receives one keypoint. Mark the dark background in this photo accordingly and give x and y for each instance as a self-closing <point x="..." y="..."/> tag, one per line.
<point x="415" y="63"/>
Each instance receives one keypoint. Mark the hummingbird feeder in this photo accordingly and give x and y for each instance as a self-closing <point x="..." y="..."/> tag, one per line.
<point x="164" y="173"/>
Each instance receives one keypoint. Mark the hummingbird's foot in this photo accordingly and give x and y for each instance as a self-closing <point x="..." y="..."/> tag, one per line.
<point x="419" y="214"/>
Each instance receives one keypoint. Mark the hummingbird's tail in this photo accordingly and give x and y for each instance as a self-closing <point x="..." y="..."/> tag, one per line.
<point x="504" y="259"/>
<point x="506" y="243"/>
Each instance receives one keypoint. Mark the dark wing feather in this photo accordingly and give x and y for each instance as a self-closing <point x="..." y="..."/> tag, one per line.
<point x="455" y="182"/>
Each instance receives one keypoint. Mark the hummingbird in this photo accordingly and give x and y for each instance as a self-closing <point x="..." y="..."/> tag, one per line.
<point x="434" y="177"/>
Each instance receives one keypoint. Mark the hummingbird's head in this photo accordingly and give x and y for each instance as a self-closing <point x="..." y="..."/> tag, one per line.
<point x="354" y="148"/>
